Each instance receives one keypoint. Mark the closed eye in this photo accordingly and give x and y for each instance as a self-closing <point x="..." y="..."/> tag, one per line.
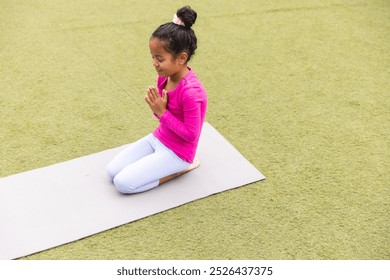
<point x="159" y="58"/>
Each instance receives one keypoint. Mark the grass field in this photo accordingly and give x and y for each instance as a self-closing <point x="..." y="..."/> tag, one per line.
<point x="300" y="88"/>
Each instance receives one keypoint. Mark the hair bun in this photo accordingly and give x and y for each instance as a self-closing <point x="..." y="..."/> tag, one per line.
<point x="187" y="15"/>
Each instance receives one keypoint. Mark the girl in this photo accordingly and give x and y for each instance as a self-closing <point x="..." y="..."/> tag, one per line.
<point x="179" y="103"/>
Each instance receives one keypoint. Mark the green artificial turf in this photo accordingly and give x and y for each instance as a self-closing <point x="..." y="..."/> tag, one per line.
<point x="300" y="88"/>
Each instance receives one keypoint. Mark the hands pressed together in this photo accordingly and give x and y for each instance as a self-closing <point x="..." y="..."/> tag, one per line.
<point x="156" y="103"/>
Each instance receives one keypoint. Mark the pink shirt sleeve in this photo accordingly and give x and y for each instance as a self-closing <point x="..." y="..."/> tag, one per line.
<point x="189" y="129"/>
<point x="181" y="124"/>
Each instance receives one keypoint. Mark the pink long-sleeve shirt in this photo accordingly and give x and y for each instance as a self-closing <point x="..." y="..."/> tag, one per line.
<point x="181" y="124"/>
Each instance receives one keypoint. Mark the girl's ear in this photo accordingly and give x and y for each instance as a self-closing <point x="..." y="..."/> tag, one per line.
<point x="183" y="58"/>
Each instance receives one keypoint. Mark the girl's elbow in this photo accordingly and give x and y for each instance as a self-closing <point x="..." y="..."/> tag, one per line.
<point x="192" y="137"/>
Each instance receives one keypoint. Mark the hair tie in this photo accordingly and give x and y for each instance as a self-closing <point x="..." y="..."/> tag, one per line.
<point x="177" y="20"/>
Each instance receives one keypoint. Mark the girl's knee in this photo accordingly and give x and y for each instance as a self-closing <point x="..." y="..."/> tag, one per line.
<point x="127" y="185"/>
<point x="124" y="185"/>
<point x="111" y="172"/>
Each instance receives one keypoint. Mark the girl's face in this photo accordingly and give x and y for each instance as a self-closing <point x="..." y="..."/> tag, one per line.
<point x="164" y="62"/>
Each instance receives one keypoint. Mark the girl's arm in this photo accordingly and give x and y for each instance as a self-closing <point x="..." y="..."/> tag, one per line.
<point x="190" y="128"/>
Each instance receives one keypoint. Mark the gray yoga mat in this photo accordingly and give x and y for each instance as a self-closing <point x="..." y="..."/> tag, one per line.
<point x="64" y="202"/>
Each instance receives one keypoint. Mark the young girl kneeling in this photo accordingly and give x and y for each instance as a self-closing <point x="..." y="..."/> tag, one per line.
<point x="179" y="103"/>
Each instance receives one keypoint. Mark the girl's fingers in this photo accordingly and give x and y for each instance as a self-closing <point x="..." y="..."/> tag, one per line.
<point x="164" y="95"/>
<point x="146" y="97"/>
<point x="151" y="94"/>
<point x="154" y="92"/>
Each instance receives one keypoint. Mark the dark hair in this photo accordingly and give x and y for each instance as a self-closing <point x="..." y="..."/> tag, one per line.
<point x="179" y="38"/>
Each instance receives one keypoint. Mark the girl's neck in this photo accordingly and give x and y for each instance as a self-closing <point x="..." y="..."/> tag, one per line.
<point x="177" y="77"/>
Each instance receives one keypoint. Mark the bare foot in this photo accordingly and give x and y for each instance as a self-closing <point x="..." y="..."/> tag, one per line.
<point x="193" y="165"/>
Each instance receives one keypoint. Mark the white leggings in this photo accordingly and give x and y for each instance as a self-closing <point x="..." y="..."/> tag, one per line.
<point x="141" y="165"/>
